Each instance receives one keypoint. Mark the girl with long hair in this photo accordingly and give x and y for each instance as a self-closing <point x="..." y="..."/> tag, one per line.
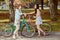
<point x="38" y="20"/>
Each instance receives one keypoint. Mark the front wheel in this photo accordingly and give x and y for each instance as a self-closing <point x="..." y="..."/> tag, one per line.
<point x="28" y="31"/>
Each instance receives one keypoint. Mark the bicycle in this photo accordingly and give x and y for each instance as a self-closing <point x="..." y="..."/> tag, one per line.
<point x="2" y="29"/>
<point x="45" y="26"/>
<point x="25" y="29"/>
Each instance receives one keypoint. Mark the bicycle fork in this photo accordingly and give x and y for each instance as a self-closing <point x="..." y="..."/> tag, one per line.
<point x="27" y="28"/>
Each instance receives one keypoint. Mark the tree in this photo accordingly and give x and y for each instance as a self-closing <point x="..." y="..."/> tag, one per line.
<point x="28" y="2"/>
<point x="11" y="10"/>
<point x="39" y="2"/>
<point x="53" y="9"/>
<point x="42" y="4"/>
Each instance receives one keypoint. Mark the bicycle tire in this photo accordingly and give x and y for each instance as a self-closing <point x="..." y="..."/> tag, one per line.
<point x="46" y="27"/>
<point x="1" y="29"/>
<point x="8" y="30"/>
<point x="28" y="32"/>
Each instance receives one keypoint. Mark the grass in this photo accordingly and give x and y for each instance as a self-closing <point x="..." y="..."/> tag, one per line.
<point x="56" y="26"/>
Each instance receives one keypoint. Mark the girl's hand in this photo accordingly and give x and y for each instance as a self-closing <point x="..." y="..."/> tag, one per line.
<point x="34" y="16"/>
<point x="25" y="14"/>
<point x="29" y="20"/>
<point x="19" y="7"/>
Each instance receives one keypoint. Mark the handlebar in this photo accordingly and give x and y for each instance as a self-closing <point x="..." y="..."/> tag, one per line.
<point x="23" y="16"/>
<point x="29" y="17"/>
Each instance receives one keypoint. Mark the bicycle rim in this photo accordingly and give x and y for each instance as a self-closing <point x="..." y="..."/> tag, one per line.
<point x="8" y="31"/>
<point x="28" y="32"/>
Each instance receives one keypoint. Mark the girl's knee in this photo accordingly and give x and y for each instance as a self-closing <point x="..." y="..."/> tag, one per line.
<point x="17" y="28"/>
<point x="38" y="26"/>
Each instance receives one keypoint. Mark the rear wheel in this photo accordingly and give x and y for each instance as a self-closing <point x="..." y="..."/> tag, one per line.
<point x="46" y="27"/>
<point x="28" y="31"/>
<point x="8" y="30"/>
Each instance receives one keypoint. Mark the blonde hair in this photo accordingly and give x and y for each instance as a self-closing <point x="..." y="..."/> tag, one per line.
<point x="21" y="2"/>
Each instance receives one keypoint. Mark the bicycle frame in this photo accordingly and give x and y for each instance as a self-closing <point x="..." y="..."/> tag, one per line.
<point x="25" y="27"/>
<point x="22" y="23"/>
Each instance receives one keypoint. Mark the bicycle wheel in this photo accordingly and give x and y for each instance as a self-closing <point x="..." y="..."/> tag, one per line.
<point x="46" y="27"/>
<point x="1" y="29"/>
<point x="28" y="31"/>
<point x="8" y="30"/>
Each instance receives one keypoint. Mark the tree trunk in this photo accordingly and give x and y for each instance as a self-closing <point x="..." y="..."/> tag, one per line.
<point x="11" y="10"/>
<point x="37" y="1"/>
<point x="42" y="4"/>
<point x="53" y="9"/>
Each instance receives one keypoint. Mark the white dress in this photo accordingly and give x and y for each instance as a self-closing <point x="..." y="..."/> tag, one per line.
<point x="17" y="17"/>
<point x="38" y="18"/>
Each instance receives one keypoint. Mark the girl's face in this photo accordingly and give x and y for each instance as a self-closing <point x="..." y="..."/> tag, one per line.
<point x="35" y="6"/>
<point x="19" y="7"/>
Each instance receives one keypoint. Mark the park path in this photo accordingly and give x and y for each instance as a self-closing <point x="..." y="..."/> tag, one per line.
<point x="49" y="37"/>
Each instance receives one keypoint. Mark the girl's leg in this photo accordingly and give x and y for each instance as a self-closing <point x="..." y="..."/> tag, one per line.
<point x="38" y="33"/>
<point x="16" y="32"/>
<point x="39" y="29"/>
<point x="42" y="31"/>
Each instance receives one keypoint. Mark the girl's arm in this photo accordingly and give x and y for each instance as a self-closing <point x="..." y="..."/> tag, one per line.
<point x="25" y="14"/>
<point x="32" y="12"/>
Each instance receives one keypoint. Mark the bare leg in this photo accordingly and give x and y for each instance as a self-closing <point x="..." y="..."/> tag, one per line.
<point x="39" y="29"/>
<point x="15" y="32"/>
<point x="38" y="33"/>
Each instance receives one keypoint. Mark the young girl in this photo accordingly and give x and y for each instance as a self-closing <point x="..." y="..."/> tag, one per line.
<point x="18" y="13"/>
<point x="38" y="20"/>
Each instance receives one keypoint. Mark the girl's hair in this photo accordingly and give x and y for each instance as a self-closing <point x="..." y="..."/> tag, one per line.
<point x="17" y="3"/>
<point x="37" y="7"/>
<point x="17" y="6"/>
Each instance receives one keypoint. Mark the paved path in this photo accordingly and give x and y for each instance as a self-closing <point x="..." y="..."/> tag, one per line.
<point x="49" y="37"/>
